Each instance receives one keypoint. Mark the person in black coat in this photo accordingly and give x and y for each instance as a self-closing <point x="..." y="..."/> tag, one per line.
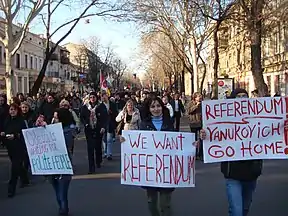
<point x="112" y="113"/>
<point x="14" y="141"/>
<point x="178" y="109"/>
<point x="4" y="112"/>
<point x="48" y="108"/>
<point x="94" y="117"/>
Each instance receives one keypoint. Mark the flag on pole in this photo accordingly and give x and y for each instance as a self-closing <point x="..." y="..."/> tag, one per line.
<point x="103" y="84"/>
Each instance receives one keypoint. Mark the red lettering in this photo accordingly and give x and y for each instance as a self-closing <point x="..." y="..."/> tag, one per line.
<point x="165" y="168"/>
<point x="181" y="137"/>
<point x="133" y="167"/>
<point x="158" y="168"/>
<point x="126" y="167"/>
<point x="216" y="153"/>
<point x="263" y="132"/>
<point x="237" y="108"/>
<point x="279" y="148"/>
<point x="141" y="165"/>
<point x="244" y="149"/>
<point x="228" y="150"/>
<point x="143" y="142"/>
<point x="191" y="166"/>
<point x="260" y="149"/>
<point x="136" y="143"/>
<point x="269" y="147"/>
<point x="217" y="110"/>
<point x="159" y="143"/>
<point x="148" y="167"/>
<point x="208" y="112"/>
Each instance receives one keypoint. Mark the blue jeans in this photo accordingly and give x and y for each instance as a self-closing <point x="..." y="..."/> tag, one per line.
<point x="108" y="142"/>
<point x="61" y="187"/>
<point x="239" y="195"/>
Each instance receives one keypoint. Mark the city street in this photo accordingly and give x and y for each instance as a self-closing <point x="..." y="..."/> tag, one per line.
<point x="102" y="193"/>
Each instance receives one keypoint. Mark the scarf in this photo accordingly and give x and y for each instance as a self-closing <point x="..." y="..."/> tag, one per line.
<point x="93" y="117"/>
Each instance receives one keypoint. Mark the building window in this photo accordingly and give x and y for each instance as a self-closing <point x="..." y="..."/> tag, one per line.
<point x="17" y="60"/>
<point x="36" y="64"/>
<point x="20" y="85"/>
<point x="269" y="83"/>
<point x="31" y="62"/>
<point x="26" y="61"/>
<point x="25" y="85"/>
<point x="40" y="63"/>
<point x="277" y="84"/>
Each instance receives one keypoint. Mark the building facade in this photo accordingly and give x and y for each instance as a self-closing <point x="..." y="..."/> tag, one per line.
<point x="235" y="58"/>
<point x="60" y="74"/>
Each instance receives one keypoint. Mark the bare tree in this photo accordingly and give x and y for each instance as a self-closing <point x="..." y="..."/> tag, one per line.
<point x="259" y="16"/>
<point x="164" y="61"/>
<point x="217" y="11"/>
<point x="119" y="68"/>
<point x="180" y="21"/>
<point x="102" y="8"/>
<point x="14" y="36"/>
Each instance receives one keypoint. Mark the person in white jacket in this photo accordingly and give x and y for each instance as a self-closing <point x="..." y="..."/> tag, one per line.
<point x="168" y="105"/>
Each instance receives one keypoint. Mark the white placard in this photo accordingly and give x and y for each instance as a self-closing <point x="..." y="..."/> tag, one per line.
<point x="47" y="150"/>
<point x="158" y="159"/>
<point x="245" y="129"/>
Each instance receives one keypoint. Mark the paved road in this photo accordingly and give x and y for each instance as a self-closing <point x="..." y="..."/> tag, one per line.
<point x="102" y="194"/>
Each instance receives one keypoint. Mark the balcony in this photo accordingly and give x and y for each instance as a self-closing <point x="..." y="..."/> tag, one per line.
<point x="54" y="57"/>
<point x="65" y="60"/>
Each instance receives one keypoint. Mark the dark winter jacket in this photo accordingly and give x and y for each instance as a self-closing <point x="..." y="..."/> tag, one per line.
<point x="47" y="110"/>
<point x="101" y="114"/>
<point x="14" y="125"/>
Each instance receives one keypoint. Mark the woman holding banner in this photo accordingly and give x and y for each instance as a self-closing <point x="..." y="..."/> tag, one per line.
<point x="240" y="176"/>
<point x="157" y="119"/>
<point x="14" y="141"/>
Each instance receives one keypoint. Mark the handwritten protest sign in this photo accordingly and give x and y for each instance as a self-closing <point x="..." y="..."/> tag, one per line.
<point x="158" y="159"/>
<point x="47" y="150"/>
<point x="245" y="129"/>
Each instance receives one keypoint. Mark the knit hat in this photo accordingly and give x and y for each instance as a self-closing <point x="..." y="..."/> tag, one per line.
<point x="237" y="91"/>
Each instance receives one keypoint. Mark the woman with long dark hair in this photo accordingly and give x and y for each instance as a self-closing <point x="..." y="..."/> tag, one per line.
<point x="15" y="144"/>
<point x="157" y="118"/>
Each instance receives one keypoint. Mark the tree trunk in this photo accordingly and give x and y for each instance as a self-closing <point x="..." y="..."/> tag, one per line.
<point x="194" y="65"/>
<point x="183" y="81"/>
<point x="10" y="76"/>
<point x="256" y="42"/>
<point x="38" y="82"/>
<point x="204" y="75"/>
<point x="216" y="60"/>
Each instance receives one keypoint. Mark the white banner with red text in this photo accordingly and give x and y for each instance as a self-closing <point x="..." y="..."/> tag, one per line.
<point x="158" y="159"/>
<point x="245" y="129"/>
